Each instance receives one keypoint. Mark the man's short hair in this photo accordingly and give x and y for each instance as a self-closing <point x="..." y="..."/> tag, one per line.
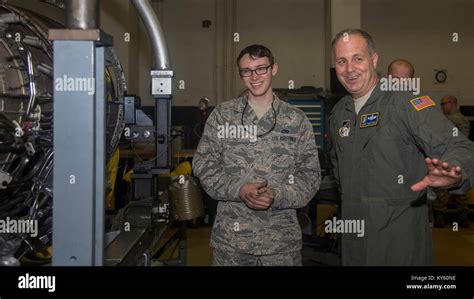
<point x="354" y="31"/>
<point x="402" y="62"/>
<point x="255" y="52"/>
<point x="450" y="98"/>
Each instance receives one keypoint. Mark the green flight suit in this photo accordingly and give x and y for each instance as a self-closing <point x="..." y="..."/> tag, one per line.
<point x="377" y="156"/>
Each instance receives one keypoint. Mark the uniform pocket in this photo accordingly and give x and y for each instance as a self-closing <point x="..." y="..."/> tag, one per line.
<point x="282" y="152"/>
<point x="388" y="177"/>
<point x="386" y="189"/>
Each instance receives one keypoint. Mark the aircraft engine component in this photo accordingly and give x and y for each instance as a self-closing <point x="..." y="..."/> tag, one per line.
<point x="26" y="122"/>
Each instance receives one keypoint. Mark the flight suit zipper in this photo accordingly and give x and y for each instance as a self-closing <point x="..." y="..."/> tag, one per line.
<point x="353" y="153"/>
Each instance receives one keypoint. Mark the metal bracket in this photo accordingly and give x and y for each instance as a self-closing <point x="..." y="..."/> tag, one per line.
<point x="5" y="179"/>
<point x="161" y="82"/>
<point x="30" y="149"/>
<point x="140" y="134"/>
<point x="97" y="35"/>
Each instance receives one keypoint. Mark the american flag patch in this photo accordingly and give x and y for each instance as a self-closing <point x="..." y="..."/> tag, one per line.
<point x="422" y="103"/>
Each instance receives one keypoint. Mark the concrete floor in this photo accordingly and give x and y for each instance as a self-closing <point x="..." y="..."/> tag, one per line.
<point x="450" y="248"/>
<point x="199" y="253"/>
<point x="454" y="248"/>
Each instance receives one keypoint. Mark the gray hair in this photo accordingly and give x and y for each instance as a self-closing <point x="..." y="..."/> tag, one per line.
<point x="353" y="31"/>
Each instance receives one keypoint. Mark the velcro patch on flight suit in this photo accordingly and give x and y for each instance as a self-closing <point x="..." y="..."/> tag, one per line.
<point x="345" y="129"/>
<point x="423" y="102"/>
<point x="369" y="120"/>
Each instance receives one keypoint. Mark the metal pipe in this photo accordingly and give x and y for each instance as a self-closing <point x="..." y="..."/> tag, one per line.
<point x="155" y="32"/>
<point x="224" y="56"/>
<point x="82" y="14"/>
<point x="233" y="50"/>
<point x="45" y="69"/>
<point x="10" y="18"/>
<point x="32" y="84"/>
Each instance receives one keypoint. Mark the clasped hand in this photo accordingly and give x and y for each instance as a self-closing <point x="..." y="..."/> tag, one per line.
<point x="257" y="196"/>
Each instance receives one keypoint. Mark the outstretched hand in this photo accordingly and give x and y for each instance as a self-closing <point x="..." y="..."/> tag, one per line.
<point x="440" y="175"/>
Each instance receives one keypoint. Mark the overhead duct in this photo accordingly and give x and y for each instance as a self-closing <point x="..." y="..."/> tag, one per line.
<point x="161" y="85"/>
<point x="155" y="32"/>
<point x="82" y="14"/>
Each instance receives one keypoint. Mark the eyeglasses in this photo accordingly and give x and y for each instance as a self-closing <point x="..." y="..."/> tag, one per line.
<point x="259" y="71"/>
<point x="442" y="104"/>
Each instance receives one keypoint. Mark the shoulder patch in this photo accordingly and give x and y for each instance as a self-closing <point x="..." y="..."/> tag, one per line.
<point x="423" y="102"/>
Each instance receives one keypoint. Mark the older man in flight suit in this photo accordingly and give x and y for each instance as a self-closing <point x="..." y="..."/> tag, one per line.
<point x="258" y="158"/>
<point x="388" y="146"/>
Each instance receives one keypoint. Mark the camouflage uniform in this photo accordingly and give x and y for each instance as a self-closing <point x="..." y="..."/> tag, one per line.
<point x="226" y="258"/>
<point x="460" y="122"/>
<point x="287" y="158"/>
<point x="442" y="196"/>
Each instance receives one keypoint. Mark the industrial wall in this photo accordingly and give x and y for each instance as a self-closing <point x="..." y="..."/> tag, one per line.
<point x="203" y="58"/>
<point x="421" y="31"/>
